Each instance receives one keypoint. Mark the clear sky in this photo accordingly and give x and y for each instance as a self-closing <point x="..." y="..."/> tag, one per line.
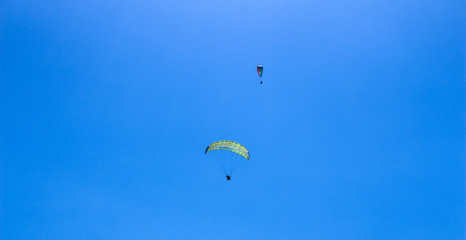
<point x="358" y="132"/>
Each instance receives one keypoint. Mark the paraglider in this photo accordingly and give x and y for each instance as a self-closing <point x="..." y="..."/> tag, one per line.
<point x="260" y="70"/>
<point x="230" y="155"/>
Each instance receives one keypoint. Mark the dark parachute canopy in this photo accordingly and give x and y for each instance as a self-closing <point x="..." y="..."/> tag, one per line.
<point x="260" y="70"/>
<point x="230" y="154"/>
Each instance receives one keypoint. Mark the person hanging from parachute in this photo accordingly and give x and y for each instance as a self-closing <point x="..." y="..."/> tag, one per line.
<point x="231" y="154"/>
<point x="260" y="69"/>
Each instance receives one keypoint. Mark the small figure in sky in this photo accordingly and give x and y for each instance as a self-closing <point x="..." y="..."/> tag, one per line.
<point x="260" y="70"/>
<point x="228" y="177"/>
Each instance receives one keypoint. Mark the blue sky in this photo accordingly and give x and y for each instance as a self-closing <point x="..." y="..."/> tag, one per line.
<point x="358" y="131"/>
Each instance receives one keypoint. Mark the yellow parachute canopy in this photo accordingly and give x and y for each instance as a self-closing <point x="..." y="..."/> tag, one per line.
<point x="230" y="146"/>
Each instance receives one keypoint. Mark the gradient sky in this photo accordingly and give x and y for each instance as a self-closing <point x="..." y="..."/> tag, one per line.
<point x="358" y="131"/>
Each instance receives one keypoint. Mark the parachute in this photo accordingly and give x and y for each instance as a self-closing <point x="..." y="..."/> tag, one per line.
<point x="230" y="146"/>
<point x="229" y="156"/>
<point x="260" y="70"/>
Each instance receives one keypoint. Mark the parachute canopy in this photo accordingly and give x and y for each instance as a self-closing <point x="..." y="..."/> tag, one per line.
<point x="230" y="146"/>
<point x="260" y="69"/>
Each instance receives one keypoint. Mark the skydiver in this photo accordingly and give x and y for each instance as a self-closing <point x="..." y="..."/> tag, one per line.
<point x="228" y="177"/>
<point x="260" y="83"/>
